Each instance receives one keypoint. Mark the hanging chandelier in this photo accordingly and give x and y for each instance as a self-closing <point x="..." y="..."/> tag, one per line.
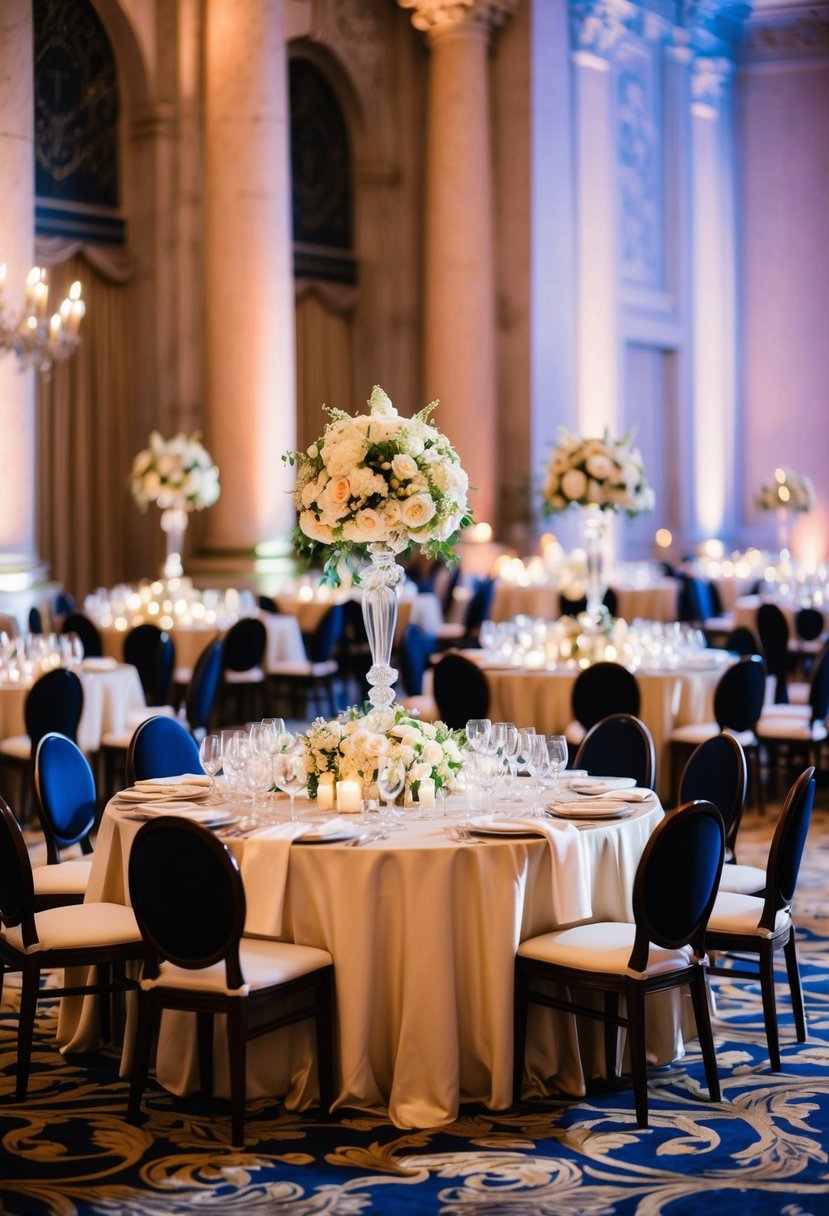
<point x="36" y="337"/>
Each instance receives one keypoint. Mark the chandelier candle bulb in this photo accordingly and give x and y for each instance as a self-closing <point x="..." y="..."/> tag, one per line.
<point x="349" y="797"/>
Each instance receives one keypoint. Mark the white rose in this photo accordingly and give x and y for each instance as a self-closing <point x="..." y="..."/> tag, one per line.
<point x="417" y="510"/>
<point x="152" y="485"/>
<point x="309" y="493"/>
<point x="599" y="466"/>
<point x="382" y="430"/>
<point x="364" y="527"/>
<point x="432" y="753"/>
<point x="574" y="484"/>
<point x="334" y="498"/>
<point x="403" y="467"/>
<point x="389" y="512"/>
<point x="314" y="529"/>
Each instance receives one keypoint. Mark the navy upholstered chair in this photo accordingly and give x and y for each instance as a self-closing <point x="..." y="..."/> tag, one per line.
<point x="620" y="745"/>
<point x="67" y="806"/>
<point x="161" y="747"/>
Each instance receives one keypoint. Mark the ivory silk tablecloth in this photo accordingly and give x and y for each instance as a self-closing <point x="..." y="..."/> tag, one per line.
<point x="423" y="932"/>
<point x="109" y="695"/>
<point x="655" y="602"/>
<point x="669" y="698"/>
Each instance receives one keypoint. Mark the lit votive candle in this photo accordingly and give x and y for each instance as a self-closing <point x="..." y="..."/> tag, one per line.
<point x="426" y="794"/>
<point x="349" y="797"/>
<point x="325" y="792"/>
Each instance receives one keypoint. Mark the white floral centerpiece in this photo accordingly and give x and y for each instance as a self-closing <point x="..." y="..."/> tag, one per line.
<point x="790" y="491"/>
<point x="174" y="473"/>
<point x="605" y="473"/>
<point x="350" y="748"/>
<point x="378" y="479"/>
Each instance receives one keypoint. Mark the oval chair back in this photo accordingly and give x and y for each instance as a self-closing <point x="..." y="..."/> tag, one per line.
<point x="87" y="631"/>
<point x="819" y="687"/>
<point x="323" y="640"/>
<point x="187" y="895"/>
<point x="140" y="646"/>
<point x="54" y="703"/>
<point x="161" y="747"/>
<point x="244" y="644"/>
<point x="66" y="794"/>
<point x="602" y="689"/>
<point x="786" y="851"/>
<point x="808" y="624"/>
<point x="461" y="691"/>
<point x="773" y="629"/>
<point x="479" y="607"/>
<point x="203" y="686"/>
<point x="742" y="641"/>
<point x="163" y="667"/>
<point x="740" y="693"/>
<point x="620" y="745"/>
<point x="676" y="881"/>
<point x="717" y="771"/>
<point x="17" y="892"/>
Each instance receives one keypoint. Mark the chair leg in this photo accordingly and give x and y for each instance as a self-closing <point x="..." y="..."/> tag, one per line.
<point x="141" y="1055"/>
<point x="635" y="1002"/>
<point x="699" y="995"/>
<point x="611" y="1035"/>
<point x="519" y="1041"/>
<point x="237" y="1056"/>
<point x="793" y="972"/>
<point x="325" y="1043"/>
<point x="26" y="1025"/>
<point x="103" y="978"/>
<point x="757" y="778"/>
<point x="769" y="1006"/>
<point x="204" y="1023"/>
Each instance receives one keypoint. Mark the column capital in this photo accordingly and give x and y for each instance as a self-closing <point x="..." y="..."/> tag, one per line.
<point x="710" y="78"/>
<point x="439" y="16"/>
<point x="599" y="26"/>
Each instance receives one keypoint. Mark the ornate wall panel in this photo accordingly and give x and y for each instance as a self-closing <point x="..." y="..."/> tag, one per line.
<point x="639" y="132"/>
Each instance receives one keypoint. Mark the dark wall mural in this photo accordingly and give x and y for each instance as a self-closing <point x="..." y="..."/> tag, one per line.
<point x="76" y="124"/>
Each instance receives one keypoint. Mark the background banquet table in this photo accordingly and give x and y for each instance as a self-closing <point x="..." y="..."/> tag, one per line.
<point x="421" y="608"/>
<point x="423" y="933"/>
<point x="669" y="698"/>
<point x="284" y="640"/>
<point x="111" y="693"/>
<point x="656" y="601"/>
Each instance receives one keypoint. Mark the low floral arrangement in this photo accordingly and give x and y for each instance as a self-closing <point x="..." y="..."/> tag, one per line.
<point x="790" y="491"/>
<point x="351" y="746"/>
<point x="378" y="478"/>
<point x="177" y="472"/>
<point x="604" y="473"/>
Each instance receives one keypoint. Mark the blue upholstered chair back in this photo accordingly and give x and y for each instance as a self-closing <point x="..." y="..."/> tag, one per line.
<point x="619" y="746"/>
<point x="717" y="771"/>
<point x="787" y="846"/>
<point x="54" y="703"/>
<point x="204" y="684"/>
<point x="66" y="791"/>
<point x="415" y="647"/>
<point x="604" y="688"/>
<point x="161" y="747"/>
<point x="740" y="693"/>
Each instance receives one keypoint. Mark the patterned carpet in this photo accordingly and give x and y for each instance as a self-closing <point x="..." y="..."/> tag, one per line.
<point x="763" y="1149"/>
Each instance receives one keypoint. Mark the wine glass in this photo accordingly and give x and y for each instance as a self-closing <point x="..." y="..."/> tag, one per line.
<point x="536" y="760"/>
<point x="258" y="776"/>
<point x="390" y="782"/>
<point x="210" y="757"/>
<point x="509" y="734"/>
<point x="477" y="733"/>
<point x="557" y="752"/>
<point x="289" y="772"/>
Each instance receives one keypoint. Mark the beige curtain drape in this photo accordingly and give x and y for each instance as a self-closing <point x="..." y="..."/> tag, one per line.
<point x="83" y="461"/>
<point x="324" y="354"/>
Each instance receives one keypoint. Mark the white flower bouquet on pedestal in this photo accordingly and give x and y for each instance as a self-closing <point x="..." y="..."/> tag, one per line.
<point x="605" y="473"/>
<point x="178" y="475"/>
<point x="790" y="491"/>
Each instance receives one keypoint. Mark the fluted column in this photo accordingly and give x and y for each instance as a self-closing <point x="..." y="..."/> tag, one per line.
<point x="459" y="322"/>
<point x="17" y="389"/>
<point x="249" y="285"/>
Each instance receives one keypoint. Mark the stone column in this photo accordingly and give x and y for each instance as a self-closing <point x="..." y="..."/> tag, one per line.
<point x="459" y="288"/>
<point x="18" y="561"/>
<point x="249" y="283"/>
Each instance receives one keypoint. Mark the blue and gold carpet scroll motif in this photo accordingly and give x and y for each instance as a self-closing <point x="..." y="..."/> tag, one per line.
<point x="763" y="1149"/>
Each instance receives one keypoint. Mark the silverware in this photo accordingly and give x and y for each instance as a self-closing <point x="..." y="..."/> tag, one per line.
<point x="365" y="838"/>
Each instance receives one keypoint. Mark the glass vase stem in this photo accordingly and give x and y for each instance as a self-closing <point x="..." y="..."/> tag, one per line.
<point x="379" y="583"/>
<point x="174" y="522"/>
<point x="595" y="526"/>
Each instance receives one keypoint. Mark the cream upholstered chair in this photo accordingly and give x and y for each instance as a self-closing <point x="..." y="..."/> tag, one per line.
<point x="102" y="936"/>
<point x="757" y="926"/>
<point x="187" y="893"/>
<point x="673" y="892"/>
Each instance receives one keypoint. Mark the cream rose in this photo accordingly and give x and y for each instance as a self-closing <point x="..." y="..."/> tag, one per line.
<point x="315" y="530"/>
<point x="574" y="484"/>
<point x="417" y="510"/>
<point x="334" y="498"/>
<point x="366" y="526"/>
<point x="403" y="467"/>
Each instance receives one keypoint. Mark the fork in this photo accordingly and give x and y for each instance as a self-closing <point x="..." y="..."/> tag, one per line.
<point x="462" y="835"/>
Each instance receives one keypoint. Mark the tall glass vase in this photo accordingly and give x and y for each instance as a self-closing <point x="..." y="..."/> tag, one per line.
<point x="784" y="521"/>
<point x="595" y="530"/>
<point x="379" y="583"/>
<point x="174" y="522"/>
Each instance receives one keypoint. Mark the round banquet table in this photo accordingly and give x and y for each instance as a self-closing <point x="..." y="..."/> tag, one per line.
<point x="284" y="641"/>
<point x="422" y="609"/>
<point x="669" y="698"/>
<point x="423" y="932"/>
<point x="656" y="601"/>
<point x="111" y="693"/>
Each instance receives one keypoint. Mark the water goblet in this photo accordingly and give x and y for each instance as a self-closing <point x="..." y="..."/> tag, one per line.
<point x="258" y="776"/>
<point x="289" y="772"/>
<point x="477" y="733"/>
<point x="557" y="752"/>
<point x="210" y="758"/>
<point x="537" y="760"/>
<point x="390" y="782"/>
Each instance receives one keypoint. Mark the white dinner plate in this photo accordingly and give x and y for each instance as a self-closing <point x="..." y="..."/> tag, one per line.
<point x="593" y="810"/>
<point x="601" y="785"/>
<point x="191" y="793"/>
<point x="319" y="836"/>
<point x="491" y="825"/>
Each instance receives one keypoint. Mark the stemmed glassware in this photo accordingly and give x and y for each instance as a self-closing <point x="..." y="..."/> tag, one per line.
<point x="235" y="746"/>
<point x="504" y="735"/>
<point x="210" y="758"/>
<point x="390" y="782"/>
<point x="478" y="732"/>
<point x="258" y="775"/>
<point x="289" y="771"/>
<point x="536" y="761"/>
<point x="557" y="752"/>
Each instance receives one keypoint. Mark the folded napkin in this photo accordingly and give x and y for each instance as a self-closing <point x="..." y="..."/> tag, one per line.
<point x="337" y="826"/>
<point x="637" y="794"/>
<point x="264" y="869"/>
<point x="179" y="779"/>
<point x="571" y="871"/>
